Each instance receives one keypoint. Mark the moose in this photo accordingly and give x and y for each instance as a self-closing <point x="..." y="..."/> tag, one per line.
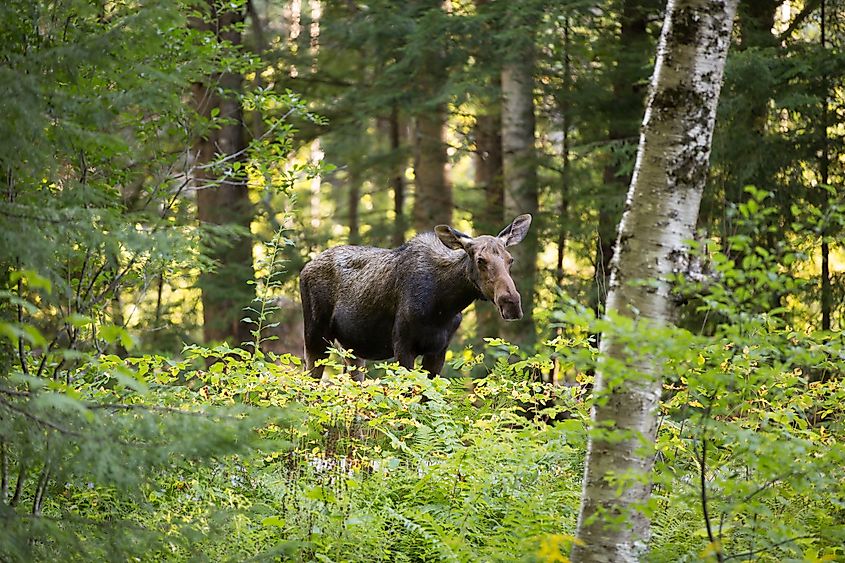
<point x="408" y="301"/>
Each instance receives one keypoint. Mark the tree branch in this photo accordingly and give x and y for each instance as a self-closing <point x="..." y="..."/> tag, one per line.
<point x="770" y="546"/>
<point x="809" y="8"/>
<point x="38" y="420"/>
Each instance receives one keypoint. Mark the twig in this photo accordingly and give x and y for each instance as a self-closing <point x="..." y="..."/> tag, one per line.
<point x="38" y="419"/>
<point x="14" y="392"/>
<point x="122" y="406"/>
<point x="718" y="548"/>
<point x="43" y="363"/>
<point x="154" y="408"/>
<point x="768" y="484"/>
<point x="236" y="154"/>
<point x="799" y="19"/>
<point x="770" y="546"/>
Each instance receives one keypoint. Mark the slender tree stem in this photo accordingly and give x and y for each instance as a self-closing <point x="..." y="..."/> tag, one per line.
<point x="4" y="473"/>
<point x="16" y="497"/>
<point x="827" y="296"/>
<point x="21" y="348"/>
<point x="40" y="489"/>
<point x="703" y="483"/>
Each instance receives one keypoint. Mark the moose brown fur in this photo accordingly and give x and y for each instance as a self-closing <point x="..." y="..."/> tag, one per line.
<point x="406" y="302"/>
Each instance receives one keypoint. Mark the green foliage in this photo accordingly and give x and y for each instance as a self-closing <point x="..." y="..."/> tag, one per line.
<point x="226" y="453"/>
<point x="181" y="458"/>
<point x="81" y="458"/>
<point x="149" y="455"/>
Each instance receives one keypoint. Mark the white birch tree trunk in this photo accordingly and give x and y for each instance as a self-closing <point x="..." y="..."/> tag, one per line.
<point x="660" y="215"/>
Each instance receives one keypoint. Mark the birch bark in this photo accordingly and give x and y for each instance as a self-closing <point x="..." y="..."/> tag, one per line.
<point x="659" y="217"/>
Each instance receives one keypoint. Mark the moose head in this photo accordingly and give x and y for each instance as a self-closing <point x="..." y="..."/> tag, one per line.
<point x="490" y="262"/>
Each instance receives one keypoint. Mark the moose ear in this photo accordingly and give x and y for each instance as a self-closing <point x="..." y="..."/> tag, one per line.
<point x="456" y="240"/>
<point x="516" y="231"/>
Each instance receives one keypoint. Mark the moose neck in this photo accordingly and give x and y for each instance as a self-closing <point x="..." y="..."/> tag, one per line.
<point x="459" y="287"/>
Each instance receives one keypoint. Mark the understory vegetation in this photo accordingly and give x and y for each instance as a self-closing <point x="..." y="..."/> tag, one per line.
<point x="167" y="167"/>
<point x="155" y="458"/>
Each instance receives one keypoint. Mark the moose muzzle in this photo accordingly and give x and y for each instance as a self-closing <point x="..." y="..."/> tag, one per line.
<point x="510" y="306"/>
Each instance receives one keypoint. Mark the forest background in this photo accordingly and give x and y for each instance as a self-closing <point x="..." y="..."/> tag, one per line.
<point x="169" y="167"/>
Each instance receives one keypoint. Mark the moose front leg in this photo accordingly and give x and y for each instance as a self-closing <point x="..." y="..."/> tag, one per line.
<point x="402" y="349"/>
<point x="433" y="363"/>
<point x="406" y="359"/>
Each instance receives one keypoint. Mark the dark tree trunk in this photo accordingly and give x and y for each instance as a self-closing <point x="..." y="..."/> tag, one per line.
<point x="563" y="209"/>
<point x="827" y="292"/>
<point x="397" y="180"/>
<point x="489" y="173"/>
<point x="488" y="170"/>
<point x="520" y="179"/>
<point x="433" y="194"/>
<point x="488" y="178"/>
<point x="627" y="77"/>
<point x="223" y="201"/>
<point x="354" y="182"/>
<point x="755" y="21"/>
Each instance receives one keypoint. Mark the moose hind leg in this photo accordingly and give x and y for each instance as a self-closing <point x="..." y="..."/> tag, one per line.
<point x="316" y="320"/>
<point x="317" y="340"/>
<point x="312" y="356"/>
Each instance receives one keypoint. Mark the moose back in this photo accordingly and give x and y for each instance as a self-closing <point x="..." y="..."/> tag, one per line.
<point x="406" y="302"/>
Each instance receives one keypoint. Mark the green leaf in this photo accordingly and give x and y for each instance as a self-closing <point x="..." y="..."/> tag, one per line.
<point x="273" y="522"/>
<point x="113" y="333"/>
<point x="32" y="279"/>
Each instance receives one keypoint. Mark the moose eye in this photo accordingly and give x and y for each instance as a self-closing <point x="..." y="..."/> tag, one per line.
<point x="481" y="261"/>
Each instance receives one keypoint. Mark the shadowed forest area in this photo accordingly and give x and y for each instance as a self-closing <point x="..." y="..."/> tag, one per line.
<point x="671" y="391"/>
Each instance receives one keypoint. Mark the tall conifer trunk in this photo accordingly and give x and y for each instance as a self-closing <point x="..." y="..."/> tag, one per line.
<point x="433" y="194"/>
<point x="488" y="177"/>
<point x="660" y="216"/>
<point x="354" y="196"/>
<point x="223" y="201"/>
<point x="397" y="179"/>
<point x="520" y="178"/>
<point x="566" y="119"/>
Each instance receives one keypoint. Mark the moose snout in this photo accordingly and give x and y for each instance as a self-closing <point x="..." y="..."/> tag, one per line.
<point x="510" y="306"/>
